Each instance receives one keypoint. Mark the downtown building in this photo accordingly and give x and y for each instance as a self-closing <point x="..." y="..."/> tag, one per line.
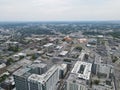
<point x="79" y="78"/>
<point x="36" y="77"/>
<point x="45" y="81"/>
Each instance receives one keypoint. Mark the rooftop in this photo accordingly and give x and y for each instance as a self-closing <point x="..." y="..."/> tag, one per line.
<point x="22" y="71"/>
<point x="44" y="77"/>
<point x="2" y="65"/>
<point x="26" y="69"/>
<point x="63" y="66"/>
<point x="63" y="53"/>
<point x="80" y="74"/>
<point x="18" y="64"/>
<point x="59" y="47"/>
<point x="38" y="64"/>
<point x="49" y="44"/>
<point x="104" y="68"/>
<point x="82" y="55"/>
<point x="82" y="70"/>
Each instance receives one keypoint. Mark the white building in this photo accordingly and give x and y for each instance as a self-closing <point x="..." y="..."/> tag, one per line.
<point x="17" y="56"/>
<point x="63" y="53"/>
<point x="49" y="47"/>
<point x="59" y="48"/>
<point x="3" y="65"/>
<point x="62" y="70"/>
<point x="82" y="55"/>
<point x="80" y="76"/>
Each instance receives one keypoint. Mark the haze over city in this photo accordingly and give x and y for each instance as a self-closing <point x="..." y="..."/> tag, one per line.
<point x="59" y="10"/>
<point x="59" y="45"/>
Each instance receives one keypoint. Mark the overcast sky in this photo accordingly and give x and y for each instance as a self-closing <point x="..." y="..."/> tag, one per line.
<point x="59" y="10"/>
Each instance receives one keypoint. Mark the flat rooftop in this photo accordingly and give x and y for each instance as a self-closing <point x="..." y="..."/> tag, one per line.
<point x="82" y="55"/>
<point x="82" y="70"/>
<point x="63" y="66"/>
<point x="25" y="70"/>
<point x="48" y="45"/>
<point x="44" y="77"/>
<point x="104" y="68"/>
<point x="38" y="64"/>
<point x="18" y="64"/>
<point x="63" y="53"/>
<point x="59" y="47"/>
<point x="21" y="71"/>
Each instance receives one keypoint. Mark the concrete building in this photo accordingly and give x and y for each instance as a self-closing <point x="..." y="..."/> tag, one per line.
<point x="12" y="44"/>
<point x="38" y="67"/>
<point x="105" y="77"/>
<point x="62" y="70"/>
<point x="81" y="56"/>
<point x="104" y="70"/>
<point x="36" y="77"/>
<point x="59" y="48"/>
<point x="104" y="74"/>
<point x="45" y="81"/>
<point x="49" y="47"/>
<point x="20" y="77"/>
<point x="8" y="84"/>
<point x="17" y="56"/>
<point x="41" y="40"/>
<point x="17" y="65"/>
<point x="100" y="69"/>
<point x="2" y="68"/>
<point x="63" y="53"/>
<point x="80" y="76"/>
<point x="82" y="40"/>
<point x="2" y="65"/>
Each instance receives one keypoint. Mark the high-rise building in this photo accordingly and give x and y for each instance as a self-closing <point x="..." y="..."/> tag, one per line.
<point x="36" y="77"/>
<point x="80" y="76"/>
<point x="38" y="67"/>
<point x="20" y="77"/>
<point x="45" y="81"/>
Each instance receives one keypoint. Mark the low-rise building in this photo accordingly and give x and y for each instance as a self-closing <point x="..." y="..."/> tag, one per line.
<point x="49" y="47"/>
<point x="63" y="53"/>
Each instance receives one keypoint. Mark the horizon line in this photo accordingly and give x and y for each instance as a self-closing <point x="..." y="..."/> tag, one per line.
<point x="61" y="21"/>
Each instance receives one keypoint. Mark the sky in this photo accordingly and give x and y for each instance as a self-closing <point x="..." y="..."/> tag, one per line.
<point x="59" y="10"/>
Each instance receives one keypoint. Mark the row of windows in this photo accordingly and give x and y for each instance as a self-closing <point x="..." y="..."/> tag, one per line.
<point x="76" y="87"/>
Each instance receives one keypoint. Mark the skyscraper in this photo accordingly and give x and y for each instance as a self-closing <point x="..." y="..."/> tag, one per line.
<point x="45" y="81"/>
<point x="40" y="79"/>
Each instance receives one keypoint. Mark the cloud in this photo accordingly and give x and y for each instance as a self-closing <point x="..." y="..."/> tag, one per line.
<point x="40" y="10"/>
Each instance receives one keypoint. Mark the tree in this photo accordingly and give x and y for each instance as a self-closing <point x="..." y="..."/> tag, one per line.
<point x="9" y="61"/>
<point x="21" y="57"/>
<point x="3" y="78"/>
<point x="114" y="59"/>
<point x="86" y="56"/>
<point x="96" y="82"/>
<point x="34" y="57"/>
<point x="14" y="49"/>
<point x="79" y="48"/>
<point x="67" y="60"/>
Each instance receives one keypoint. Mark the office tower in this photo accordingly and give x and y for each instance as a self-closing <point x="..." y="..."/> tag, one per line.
<point x="45" y="81"/>
<point x="36" y="77"/>
<point x="20" y="77"/>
